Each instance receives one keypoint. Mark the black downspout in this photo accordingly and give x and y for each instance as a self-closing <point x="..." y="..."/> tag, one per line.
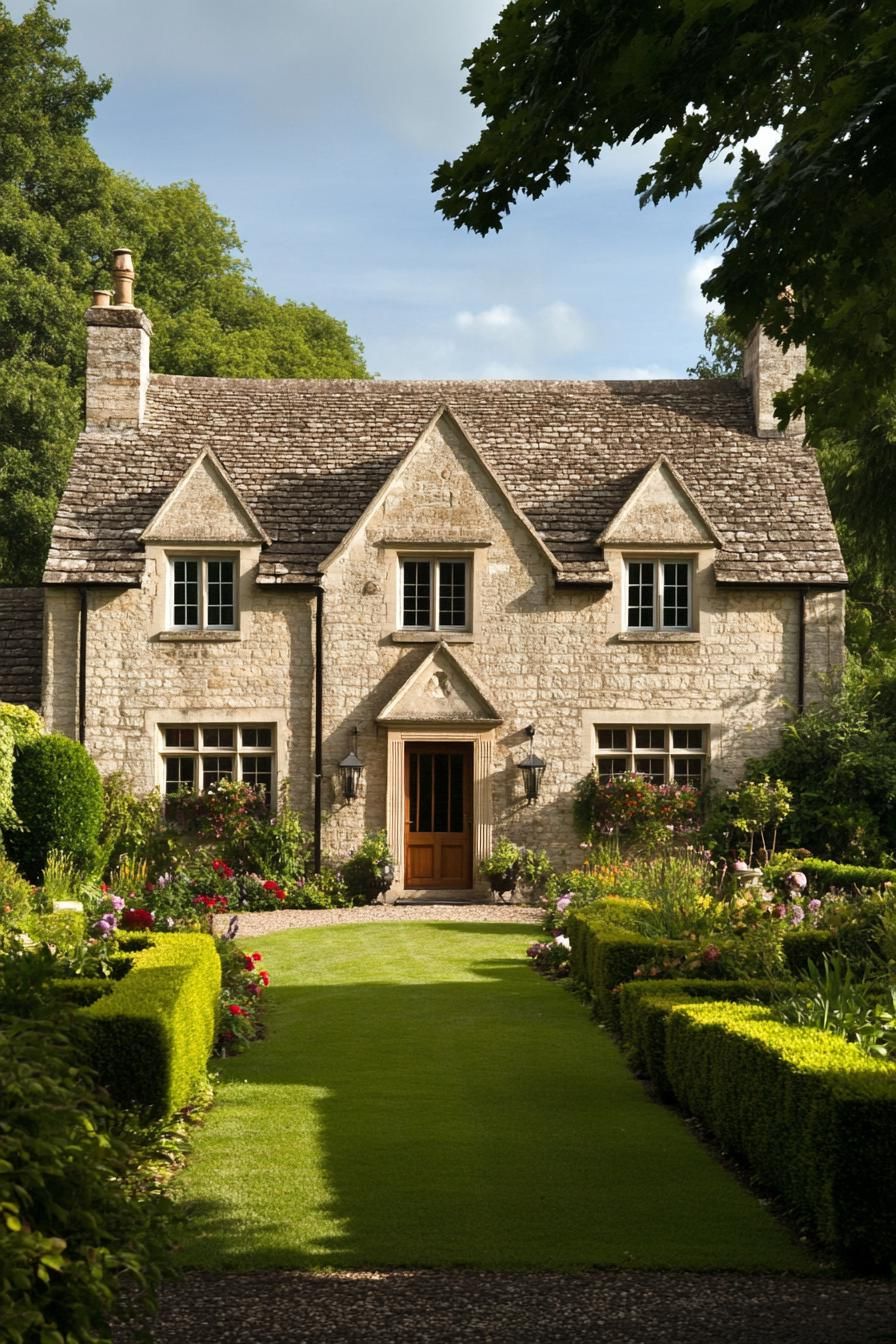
<point x="801" y="669"/>
<point x="318" y="719"/>
<point x="82" y="669"/>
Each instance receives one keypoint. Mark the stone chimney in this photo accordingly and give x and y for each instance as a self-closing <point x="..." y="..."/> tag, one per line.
<point x="769" y="369"/>
<point x="117" y="352"/>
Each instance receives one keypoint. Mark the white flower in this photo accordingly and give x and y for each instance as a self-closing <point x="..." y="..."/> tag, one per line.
<point x="562" y="941"/>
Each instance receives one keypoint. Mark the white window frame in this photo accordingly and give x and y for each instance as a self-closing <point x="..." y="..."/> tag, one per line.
<point x="435" y="561"/>
<point x="669" y="753"/>
<point x="203" y="560"/>
<point x="239" y="752"/>
<point x="658" y="562"/>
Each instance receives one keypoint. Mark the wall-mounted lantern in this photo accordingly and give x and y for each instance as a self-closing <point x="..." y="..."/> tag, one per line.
<point x="533" y="767"/>
<point x="350" y="770"/>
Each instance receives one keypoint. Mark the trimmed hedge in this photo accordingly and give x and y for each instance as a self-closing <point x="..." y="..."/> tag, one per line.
<point x="58" y="796"/>
<point x="603" y="956"/>
<point x="80" y="991"/>
<point x="644" y="1006"/>
<point x="824" y="873"/>
<point x="150" y="1038"/>
<point x="812" y="1115"/>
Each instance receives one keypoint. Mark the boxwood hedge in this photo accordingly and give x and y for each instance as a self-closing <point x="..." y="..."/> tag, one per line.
<point x="812" y="1115"/>
<point x="150" y="1038"/>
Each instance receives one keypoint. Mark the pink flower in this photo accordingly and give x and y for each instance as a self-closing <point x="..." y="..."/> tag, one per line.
<point x="564" y="903"/>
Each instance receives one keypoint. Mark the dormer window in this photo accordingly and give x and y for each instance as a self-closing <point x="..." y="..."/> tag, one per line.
<point x="203" y="592"/>
<point x="434" y="594"/>
<point x="659" y="594"/>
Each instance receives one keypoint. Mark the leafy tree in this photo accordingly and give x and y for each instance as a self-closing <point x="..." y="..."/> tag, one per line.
<point x="62" y="210"/>
<point x="725" y="357"/>
<point x="560" y="80"/>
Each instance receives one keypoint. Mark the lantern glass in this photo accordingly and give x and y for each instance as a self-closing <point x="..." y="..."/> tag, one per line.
<point x="350" y="775"/>
<point x="533" y="768"/>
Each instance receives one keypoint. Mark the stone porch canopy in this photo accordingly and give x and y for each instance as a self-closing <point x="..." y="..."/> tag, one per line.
<point x="306" y="458"/>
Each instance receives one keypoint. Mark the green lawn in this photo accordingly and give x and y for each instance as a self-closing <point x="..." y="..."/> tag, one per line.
<point x="424" y="1099"/>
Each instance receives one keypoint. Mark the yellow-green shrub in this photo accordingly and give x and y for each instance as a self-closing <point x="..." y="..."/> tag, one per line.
<point x="151" y="1037"/>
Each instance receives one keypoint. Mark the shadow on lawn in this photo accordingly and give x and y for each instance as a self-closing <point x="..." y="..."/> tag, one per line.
<point x="474" y="1122"/>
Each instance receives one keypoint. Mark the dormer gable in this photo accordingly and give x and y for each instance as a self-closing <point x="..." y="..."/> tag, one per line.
<point x="440" y="690"/>
<point x="444" y="424"/>
<point x="660" y="511"/>
<point x="205" y="507"/>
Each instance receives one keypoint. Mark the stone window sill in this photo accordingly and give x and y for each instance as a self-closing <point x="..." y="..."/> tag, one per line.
<point x="658" y="637"/>
<point x="199" y="636"/>
<point x="432" y="636"/>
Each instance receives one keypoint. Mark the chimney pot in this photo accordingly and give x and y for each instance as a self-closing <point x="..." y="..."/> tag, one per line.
<point x="123" y="277"/>
<point x="101" y="298"/>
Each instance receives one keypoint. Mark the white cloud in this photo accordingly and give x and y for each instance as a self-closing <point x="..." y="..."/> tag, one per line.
<point x="501" y="320"/>
<point x="696" y="305"/>
<point x="635" y="373"/>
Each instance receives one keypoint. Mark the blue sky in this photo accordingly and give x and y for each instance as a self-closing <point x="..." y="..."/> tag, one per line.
<point x="316" y="125"/>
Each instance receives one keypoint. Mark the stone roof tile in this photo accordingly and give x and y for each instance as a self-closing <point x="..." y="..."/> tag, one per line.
<point x="308" y="456"/>
<point x="21" y="645"/>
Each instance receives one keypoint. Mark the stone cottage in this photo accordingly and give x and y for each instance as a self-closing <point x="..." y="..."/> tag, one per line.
<point x="257" y="579"/>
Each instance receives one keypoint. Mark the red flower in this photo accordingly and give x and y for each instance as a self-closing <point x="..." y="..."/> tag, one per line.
<point x="236" y="1010"/>
<point x="265" y="978"/>
<point x="271" y="886"/>
<point x="249" y="963"/>
<point x="256" y="956"/>
<point x="221" y="867"/>
<point x="137" y="919"/>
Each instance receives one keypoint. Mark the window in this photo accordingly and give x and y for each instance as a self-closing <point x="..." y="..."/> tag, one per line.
<point x="435" y="594"/>
<point x="196" y="756"/>
<point x="659" y="595"/>
<point x="203" y="593"/>
<point x="663" y="754"/>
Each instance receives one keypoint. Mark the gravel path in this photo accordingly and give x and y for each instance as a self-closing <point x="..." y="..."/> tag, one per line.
<point x="447" y="1307"/>
<point x="252" y="925"/>
<point x="450" y="1306"/>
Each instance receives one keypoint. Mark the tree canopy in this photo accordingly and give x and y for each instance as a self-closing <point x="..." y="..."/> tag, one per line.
<point x="807" y="241"/>
<point x="62" y="210"/>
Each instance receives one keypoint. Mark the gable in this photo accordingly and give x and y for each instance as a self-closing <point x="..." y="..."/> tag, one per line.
<point x="205" y="506"/>
<point x="660" y="511"/>
<point x="440" y="690"/>
<point x="442" y="492"/>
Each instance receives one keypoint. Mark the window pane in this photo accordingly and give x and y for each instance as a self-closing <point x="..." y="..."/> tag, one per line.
<point x="453" y="593"/>
<point x="180" y="773"/>
<point x="219" y="609"/>
<point x="640" y="595"/>
<point x="676" y="612"/>
<point x="687" y="739"/>
<point x="456" y="819"/>
<point x="441" y="791"/>
<point x="688" y="770"/>
<point x="217" y="737"/>
<point x="257" y="737"/>
<point x="259" y="772"/>
<point x="416" y="592"/>
<point x="180" y="737"/>
<point x="652" y="767"/>
<point x="185" y="576"/>
<point x="650" y="739"/>
<point x="612" y="739"/>
<point x="215" y="768"/>
<point x="610" y="766"/>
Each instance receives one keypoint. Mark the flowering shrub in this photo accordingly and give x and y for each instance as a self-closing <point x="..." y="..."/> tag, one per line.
<point x="551" y="957"/>
<point x="243" y="982"/>
<point x="630" y="807"/>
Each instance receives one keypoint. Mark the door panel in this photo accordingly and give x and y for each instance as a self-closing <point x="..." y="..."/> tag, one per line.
<point x="438" y="815"/>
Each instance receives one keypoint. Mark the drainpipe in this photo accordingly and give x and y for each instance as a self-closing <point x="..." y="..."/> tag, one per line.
<point x="801" y="656"/>
<point x="318" y="718"/>
<point x="82" y="668"/>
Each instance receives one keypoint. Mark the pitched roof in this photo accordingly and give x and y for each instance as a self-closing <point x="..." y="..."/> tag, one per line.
<point x="308" y="456"/>
<point x="21" y="642"/>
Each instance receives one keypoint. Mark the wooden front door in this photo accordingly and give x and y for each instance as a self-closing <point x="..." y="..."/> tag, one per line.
<point x="438" y="815"/>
